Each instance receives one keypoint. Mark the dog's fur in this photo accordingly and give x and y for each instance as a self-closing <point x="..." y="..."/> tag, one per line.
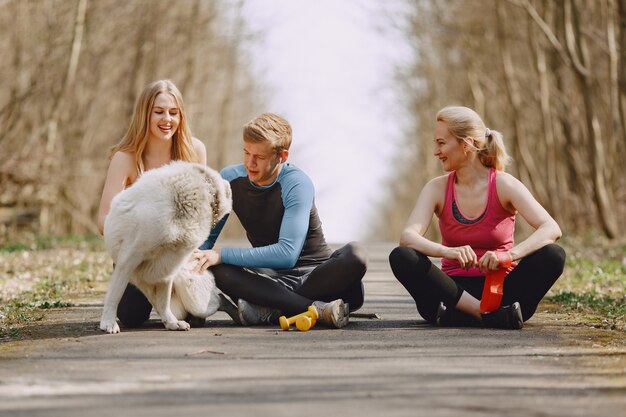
<point x="150" y="232"/>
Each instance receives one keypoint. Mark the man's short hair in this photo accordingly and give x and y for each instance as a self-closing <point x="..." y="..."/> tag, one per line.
<point x="269" y="127"/>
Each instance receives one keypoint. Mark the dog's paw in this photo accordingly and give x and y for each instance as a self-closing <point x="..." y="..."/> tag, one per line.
<point x="109" y="326"/>
<point x="177" y="325"/>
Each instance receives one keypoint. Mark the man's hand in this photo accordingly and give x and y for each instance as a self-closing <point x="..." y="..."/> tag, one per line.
<point x="206" y="258"/>
<point x="464" y="255"/>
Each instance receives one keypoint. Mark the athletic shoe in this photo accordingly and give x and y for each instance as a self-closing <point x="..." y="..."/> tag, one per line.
<point x="230" y="308"/>
<point x="451" y="317"/>
<point x="506" y="317"/>
<point x="335" y="314"/>
<point x="254" y="315"/>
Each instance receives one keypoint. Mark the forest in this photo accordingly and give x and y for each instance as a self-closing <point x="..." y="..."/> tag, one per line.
<point x="549" y="75"/>
<point x="71" y="73"/>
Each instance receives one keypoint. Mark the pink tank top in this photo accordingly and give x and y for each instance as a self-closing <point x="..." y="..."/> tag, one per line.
<point x="493" y="229"/>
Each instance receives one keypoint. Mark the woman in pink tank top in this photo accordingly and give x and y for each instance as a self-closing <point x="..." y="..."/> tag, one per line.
<point x="476" y="204"/>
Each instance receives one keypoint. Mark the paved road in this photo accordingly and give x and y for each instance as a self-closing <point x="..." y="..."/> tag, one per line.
<point x="396" y="366"/>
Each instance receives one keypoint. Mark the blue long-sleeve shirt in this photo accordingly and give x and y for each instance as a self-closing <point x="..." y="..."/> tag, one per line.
<point x="280" y="220"/>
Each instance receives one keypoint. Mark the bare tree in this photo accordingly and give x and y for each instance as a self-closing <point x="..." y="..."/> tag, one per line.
<point x="72" y="75"/>
<point x="553" y="86"/>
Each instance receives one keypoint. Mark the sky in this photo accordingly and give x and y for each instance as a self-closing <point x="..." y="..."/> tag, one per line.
<point x="328" y="67"/>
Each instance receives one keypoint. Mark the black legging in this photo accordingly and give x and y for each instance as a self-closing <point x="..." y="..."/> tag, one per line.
<point x="134" y="308"/>
<point x="428" y="285"/>
<point x="338" y="277"/>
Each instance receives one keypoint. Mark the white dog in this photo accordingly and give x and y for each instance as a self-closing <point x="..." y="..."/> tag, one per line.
<point x="150" y="232"/>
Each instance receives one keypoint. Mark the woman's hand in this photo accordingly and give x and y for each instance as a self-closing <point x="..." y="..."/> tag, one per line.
<point x="489" y="262"/>
<point x="492" y="261"/>
<point x="464" y="255"/>
<point x="206" y="258"/>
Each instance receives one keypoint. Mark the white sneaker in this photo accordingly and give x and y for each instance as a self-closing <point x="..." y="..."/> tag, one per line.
<point x="254" y="315"/>
<point x="335" y="314"/>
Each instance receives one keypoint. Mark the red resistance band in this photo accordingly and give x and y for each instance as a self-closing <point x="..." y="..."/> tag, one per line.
<point x="494" y="283"/>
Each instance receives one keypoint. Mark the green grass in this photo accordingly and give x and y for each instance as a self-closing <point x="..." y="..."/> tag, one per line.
<point x="47" y="272"/>
<point x="594" y="282"/>
<point x="36" y="243"/>
<point x="29" y="307"/>
<point x="603" y="311"/>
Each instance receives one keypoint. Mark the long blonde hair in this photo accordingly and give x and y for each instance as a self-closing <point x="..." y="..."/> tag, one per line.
<point x="136" y="137"/>
<point x="465" y="124"/>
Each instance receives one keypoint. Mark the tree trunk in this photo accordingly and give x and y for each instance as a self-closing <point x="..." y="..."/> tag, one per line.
<point x="54" y="149"/>
<point x="553" y="202"/>
<point x="134" y="77"/>
<point x="526" y="165"/>
<point x="579" y="53"/>
<point x="621" y="9"/>
<point x="225" y="108"/>
<point x="477" y="91"/>
<point x="191" y="50"/>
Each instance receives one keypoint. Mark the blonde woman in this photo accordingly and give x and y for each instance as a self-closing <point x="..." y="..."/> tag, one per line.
<point x="158" y="134"/>
<point x="476" y="204"/>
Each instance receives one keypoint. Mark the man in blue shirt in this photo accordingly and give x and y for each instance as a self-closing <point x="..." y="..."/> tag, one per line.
<point x="290" y="266"/>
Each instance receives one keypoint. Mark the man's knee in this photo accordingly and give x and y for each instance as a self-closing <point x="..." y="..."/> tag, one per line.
<point x="356" y="256"/>
<point x="224" y="275"/>
<point x="219" y="271"/>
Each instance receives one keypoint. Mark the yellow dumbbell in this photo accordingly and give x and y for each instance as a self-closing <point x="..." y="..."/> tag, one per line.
<point x="304" y="321"/>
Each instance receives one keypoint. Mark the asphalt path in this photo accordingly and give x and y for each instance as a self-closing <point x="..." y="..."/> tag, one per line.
<point x="394" y="365"/>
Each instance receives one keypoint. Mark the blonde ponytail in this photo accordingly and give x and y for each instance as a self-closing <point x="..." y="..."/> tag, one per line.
<point x="493" y="153"/>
